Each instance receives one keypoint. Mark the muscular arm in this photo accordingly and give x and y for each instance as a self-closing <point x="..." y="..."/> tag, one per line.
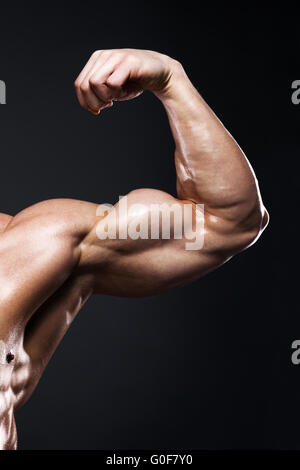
<point x="211" y="169"/>
<point x="54" y="255"/>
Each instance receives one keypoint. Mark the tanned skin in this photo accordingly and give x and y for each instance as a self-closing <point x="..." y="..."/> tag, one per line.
<point x="51" y="259"/>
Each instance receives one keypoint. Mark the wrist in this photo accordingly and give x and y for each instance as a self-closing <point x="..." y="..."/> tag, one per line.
<point x="177" y="85"/>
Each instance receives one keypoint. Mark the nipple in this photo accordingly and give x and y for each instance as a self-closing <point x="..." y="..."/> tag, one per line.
<point x="10" y="357"/>
<point x="5" y="357"/>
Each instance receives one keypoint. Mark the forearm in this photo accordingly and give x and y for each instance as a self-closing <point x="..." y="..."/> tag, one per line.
<point x="211" y="167"/>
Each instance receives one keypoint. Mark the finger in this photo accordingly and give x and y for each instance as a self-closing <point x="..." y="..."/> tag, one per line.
<point x="120" y="76"/>
<point x="87" y="100"/>
<point x="88" y="66"/>
<point x="118" y="79"/>
<point x="80" y="97"/>
<point x="90" y="101"/>
<point x="99" y="75"/>
<point x="79" y="87"/>
<point x="88" y="90"/>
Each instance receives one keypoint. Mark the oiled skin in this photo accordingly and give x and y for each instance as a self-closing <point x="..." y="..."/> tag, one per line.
<point x="51" y="259"/>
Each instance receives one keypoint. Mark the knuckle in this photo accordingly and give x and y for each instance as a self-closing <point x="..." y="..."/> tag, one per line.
<point x="84" y="87"/>
<point x="96" y="53"/>
<point x="93" y="82"/>
<point x="109" y="81"/>
<point x="118" y="54"/>
<point x="114" y="84"/>
<point x="130" y="58"/>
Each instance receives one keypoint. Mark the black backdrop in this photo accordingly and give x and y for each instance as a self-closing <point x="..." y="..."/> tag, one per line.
<point x="207" y="366"/>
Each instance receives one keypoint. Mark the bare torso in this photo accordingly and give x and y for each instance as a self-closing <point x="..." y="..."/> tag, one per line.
<point x="19" y="374"/>
<point x="19" y="371"/>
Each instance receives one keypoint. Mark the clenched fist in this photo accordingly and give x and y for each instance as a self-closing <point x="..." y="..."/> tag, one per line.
<point x="121" y="74"/>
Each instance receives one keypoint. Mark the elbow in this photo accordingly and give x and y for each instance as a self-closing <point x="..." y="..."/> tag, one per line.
<point x="265" y="219"/>
<point x="256" y="225"/>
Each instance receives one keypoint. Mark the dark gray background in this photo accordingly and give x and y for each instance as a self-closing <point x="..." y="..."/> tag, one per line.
<point x="207" y="366"/>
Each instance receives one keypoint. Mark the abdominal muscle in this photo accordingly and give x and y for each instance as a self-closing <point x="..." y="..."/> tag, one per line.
<point x="8" y="433"/>
<point x="14" y="374"/>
